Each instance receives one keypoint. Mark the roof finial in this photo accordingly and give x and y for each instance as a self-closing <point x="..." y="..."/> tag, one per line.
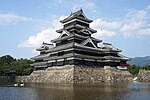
<point x="43" y="43"/>
<point x="81" y="9"/>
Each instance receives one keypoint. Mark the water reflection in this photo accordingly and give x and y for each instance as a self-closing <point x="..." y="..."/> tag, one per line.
<point x="55" y="92"/>
<point x="102" y="91"/>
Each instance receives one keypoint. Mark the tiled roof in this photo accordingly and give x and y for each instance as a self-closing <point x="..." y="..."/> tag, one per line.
<point x="78" y="14"/>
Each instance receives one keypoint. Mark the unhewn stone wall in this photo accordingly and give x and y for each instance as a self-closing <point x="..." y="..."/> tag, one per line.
<point x="144" y="75"/>
<point x="77" y="74"/>
<point x="51" y="75"/>
<point x="88" y="75"/>
<point x="96" y="75"/>
<point x="7" y="79"/>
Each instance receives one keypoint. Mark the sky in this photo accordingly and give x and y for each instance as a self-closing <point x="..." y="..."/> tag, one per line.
<point x="25" y="24"/>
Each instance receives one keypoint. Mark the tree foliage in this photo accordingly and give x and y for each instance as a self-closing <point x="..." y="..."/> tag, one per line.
<point x="20" y="66"/>
<point x="135" y="69"/>
<point x="147" y="67"/>
<point x="6" y="60"/>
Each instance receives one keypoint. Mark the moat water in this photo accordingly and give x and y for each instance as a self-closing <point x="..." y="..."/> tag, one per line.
<point x="102" y="91"/>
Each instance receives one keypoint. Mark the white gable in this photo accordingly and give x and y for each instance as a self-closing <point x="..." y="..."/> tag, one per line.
<point x="88" y="41"/>
<point x="63" y="33"/>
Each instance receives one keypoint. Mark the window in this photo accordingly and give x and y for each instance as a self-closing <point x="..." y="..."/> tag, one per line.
<point x="60" y="53"/>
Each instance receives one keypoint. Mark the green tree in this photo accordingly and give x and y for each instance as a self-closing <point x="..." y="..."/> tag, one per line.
<point x="147" y="67"/>
<point x="6" y="60"/>
<point x="133" y="69"/>
<point x="20" y="66"/>
<point x="27" y="71"/>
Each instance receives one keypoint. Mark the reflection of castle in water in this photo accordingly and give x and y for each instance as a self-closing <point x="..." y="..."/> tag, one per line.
<point x="106" y="91"/>
<point x="76" y="46"/>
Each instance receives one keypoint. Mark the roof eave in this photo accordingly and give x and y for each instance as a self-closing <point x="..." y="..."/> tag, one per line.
<point x="68" y="19"/>
<point x="59" y="30"/>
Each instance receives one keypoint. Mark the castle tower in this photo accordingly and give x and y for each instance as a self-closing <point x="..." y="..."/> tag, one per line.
<point x="76" y="46"/>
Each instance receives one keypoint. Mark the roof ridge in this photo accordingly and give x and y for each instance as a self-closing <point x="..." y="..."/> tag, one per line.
<point x="79" y="11"/>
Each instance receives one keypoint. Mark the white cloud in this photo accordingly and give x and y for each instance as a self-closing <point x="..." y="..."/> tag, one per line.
<point x="61" y="2"/>
<point x="36" y="40"/>
<point x="134" y="21"/>
<point x="144" y="32"/>
<point x="45" y="35"/>
<point x="89" y="5"/>
<point x="77" y="4"/>
<point x="148" y="7"/>
<point x="34" y="51"/>
<point x="105" y="29"/>
<point x="107" y="25"/>
<point x="10" y="18"/>
<point x="55" y="22"/>
<point x="86" y="4"/>
<point x="104" y="33"/>
<point x="130" y="27"/>
<point x="137" y="14"/>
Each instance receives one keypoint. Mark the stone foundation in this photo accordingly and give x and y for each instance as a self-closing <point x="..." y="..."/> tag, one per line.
<point x="144" y="76"/>
<point x="7" y="79"/>
<point x="76" y="74"/>
<point x="51" y="75"/>
<point x="96" y="75"/>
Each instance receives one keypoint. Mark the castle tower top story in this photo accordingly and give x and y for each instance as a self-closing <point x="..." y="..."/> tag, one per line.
<point x="76" y="46"/>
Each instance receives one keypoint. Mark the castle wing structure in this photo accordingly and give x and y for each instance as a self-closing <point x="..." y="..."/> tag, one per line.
<point x="76" y="46"/>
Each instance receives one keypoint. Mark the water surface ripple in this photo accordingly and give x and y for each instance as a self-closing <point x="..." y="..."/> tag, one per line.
<point x="102" y="91"/>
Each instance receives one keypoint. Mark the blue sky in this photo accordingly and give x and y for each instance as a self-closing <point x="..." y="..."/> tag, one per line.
<point x="25" y="24"/>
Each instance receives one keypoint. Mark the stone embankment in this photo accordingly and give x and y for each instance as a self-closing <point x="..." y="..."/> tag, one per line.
<point x="143" y="76"/>
<point x="7" y="79"/>
<point x="51" y="75"/>
<point x="76" y="74"/>
<point x="96" y="75"/>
